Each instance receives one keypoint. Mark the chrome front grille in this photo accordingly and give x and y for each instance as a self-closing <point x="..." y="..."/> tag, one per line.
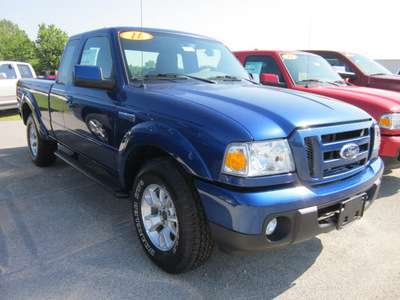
<point x="322" y="158"/>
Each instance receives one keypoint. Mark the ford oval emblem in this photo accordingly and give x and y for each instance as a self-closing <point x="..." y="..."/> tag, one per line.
<point x="349" y="151"/>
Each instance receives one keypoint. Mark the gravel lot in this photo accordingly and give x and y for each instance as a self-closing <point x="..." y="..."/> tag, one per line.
<point x="64" y="237"/>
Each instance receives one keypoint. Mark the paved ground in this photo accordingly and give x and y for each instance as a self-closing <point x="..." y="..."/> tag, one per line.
<point x="63" y="237"/>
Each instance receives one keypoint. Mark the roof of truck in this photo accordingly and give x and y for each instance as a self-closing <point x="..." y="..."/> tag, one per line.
<point x="120" y="29"/>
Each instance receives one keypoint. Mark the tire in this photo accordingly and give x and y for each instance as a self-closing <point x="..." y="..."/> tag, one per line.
<point x="174" y="232"/>
<point x="40" y="150"/>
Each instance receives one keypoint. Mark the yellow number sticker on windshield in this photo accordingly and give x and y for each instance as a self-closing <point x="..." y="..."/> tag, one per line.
<point x="289" y="56"/>
<point x="136" y="35"/>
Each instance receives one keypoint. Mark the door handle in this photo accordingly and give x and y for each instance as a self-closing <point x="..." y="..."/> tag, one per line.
<point x="126" y="116"/>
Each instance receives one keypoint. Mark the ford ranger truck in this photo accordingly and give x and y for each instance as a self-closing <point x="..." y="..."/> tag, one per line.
<point x="205" y="154"/>
<point x="360" y="70"/>
<point x="311" y="73"/>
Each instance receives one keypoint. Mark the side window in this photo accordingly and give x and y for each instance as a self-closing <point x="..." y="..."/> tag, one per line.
<point x="25" y="71"/>
<point x="66" y="62"/>
<point x="263" y="64"/>
<point x="97" y="52"/>
<point x="7" y="72"/>
<point x="336" y="63"/>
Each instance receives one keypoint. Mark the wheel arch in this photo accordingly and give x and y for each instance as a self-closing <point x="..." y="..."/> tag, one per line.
<point x="150" y="140"/>
<point x="29" y="106"/>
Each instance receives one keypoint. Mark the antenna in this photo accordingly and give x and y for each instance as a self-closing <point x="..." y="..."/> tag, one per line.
<point x="308" y="55"/>
<point x="142" y="85"/>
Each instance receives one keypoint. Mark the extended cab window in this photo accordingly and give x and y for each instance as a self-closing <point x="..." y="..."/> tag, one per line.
<point x="7" y="72"/>
<point x="97" y="52"/>
<point x="263" y="64"/>
<point x="25" y="71"/>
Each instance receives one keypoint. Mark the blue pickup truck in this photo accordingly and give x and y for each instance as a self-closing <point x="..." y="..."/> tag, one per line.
<point x="174" y="122"/>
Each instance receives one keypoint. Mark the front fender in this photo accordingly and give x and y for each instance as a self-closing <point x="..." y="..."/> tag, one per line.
<point x="167" y="139"/>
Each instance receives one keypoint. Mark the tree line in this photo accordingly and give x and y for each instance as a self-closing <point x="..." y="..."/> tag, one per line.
<point x="43" y="54"/>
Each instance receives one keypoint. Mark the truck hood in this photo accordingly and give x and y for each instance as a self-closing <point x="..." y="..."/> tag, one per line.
<point x="266" y="112"/>
<point x="374" y="101"/>
<point x="387" y="78"/>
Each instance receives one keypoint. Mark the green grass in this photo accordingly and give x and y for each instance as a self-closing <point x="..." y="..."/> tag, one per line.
<point x="9" y="114"/>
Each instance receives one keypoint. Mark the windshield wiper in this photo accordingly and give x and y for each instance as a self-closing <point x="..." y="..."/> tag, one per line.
<point x="225" y="78"/>
<point x="378" y="74"/>
<point x="320" y="81"/>
<point x="201" y="79"/>
<point x="338" y="82"/>
<point x="161" y="76"/>
<point x="170" y="76"/>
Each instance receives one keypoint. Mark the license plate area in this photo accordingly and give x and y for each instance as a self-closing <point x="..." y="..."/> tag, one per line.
<point x="350" y="211"/>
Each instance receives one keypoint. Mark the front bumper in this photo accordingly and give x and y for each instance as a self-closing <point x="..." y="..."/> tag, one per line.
<point x="390" y="151"/>
<point x="238" y="219"/>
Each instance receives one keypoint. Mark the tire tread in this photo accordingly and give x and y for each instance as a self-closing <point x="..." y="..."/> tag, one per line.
<point x="199" y="240"/>
<point x="45" y="152"/>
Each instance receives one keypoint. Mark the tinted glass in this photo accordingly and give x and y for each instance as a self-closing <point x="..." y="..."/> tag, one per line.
<point x="337" y="64"/>
<point x="179" y="54"/>
<point x="367" y="65"/>
<point x="66" y="62"/>
<point x="305" y="69"/>
<point x="263" y="64"/>
<point x="25" y="71"/>
<point x="97" y="52"/>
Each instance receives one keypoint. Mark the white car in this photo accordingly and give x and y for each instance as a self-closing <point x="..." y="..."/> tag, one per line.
<point x="10" y="73"/>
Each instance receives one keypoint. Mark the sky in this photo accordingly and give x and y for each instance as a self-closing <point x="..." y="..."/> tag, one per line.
<point x="362" y="26"/>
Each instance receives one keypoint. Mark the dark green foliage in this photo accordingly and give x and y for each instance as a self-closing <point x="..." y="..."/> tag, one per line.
<point x="43" y="54"/>
<point x="15" y="43"/>
<point x="137" y="70"/>
<point x="49" y="44"/>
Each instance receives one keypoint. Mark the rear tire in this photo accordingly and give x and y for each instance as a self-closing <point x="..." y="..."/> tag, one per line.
<point x="169" y="217"/>
<point x="40" y="150"/>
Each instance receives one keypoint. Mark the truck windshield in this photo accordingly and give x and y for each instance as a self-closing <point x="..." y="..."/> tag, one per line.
<point x="165" y="56"/>
<point x="367" y="65"/>
<point x="306" y="69"/>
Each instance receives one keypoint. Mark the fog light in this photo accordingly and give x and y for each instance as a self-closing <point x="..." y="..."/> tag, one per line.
<point x="271" y="227"/>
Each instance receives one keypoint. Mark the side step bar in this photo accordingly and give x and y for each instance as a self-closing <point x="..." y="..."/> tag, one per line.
<point x="106" y="184"/>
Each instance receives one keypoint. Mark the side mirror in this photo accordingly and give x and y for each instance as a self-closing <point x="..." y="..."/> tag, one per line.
<point x="91" y="77"/>
<point x="348" y="75"/>
<point x="3" y="76"/>
<point x="271" y="79"/>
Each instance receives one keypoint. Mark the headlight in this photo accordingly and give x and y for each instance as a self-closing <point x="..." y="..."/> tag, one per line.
<point x="377" y="137"/>
<point x="390" y="121"/>
<point x="258" y="158"/>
